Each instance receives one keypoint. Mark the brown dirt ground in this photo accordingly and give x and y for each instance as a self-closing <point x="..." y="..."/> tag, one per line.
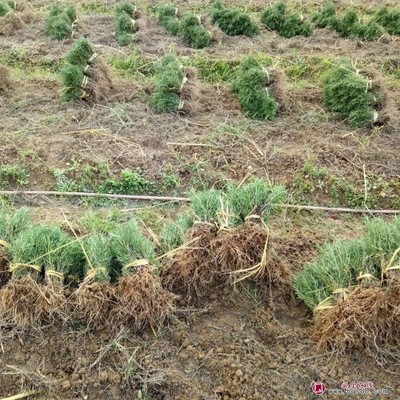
<point x="243" y="345"/>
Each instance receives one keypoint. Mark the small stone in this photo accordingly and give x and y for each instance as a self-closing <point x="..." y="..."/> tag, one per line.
<point x="66" y="385"/>
<point x="239" y="373"/>
<point x="213" y="296"/>
<point x="219" y="389"/>
<point x="75" y="377"/>
<point x="186" y="342"/>
<point x="103" y="376"/>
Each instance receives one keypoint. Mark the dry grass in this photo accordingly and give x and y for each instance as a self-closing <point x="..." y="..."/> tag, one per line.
<point x="5" y="78"/>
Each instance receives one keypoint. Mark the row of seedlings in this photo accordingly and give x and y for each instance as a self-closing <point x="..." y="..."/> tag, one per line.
<point x="353" y="289"/>
<point x="189" y="26"/>
<point x="349" y="24"/>
<point x="61" y="21"/>
<point x="13" y="16"/>
<point x="85" y="75"/>
<point x="126" y="24"/>
<point x="277" y="18"/>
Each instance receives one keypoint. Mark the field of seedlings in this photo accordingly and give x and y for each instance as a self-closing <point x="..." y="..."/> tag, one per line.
<point x="199" y="200"/>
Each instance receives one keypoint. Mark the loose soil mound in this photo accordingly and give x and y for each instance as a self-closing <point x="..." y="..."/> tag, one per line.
<point x="101" y="86"/>
<point x="368" y="320"/>
<point x="190" y="93"/>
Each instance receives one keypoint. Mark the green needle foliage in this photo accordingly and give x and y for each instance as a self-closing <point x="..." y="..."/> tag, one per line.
<point x="72" y="80"/>
<point x="72" y="72"/>
<point x="348" y="94"/>
<point x="125" y="28"/>
<point x="12" y="223"/>
<point x="173" y="232"/>
<point x="207" y="205"/>
<point x="168" y="19"/>
<point x="255" y="198"/>
<point x="389" y="19"/>
<point x="232" y="21"/>
<point x="194" y="33"/>
<point x="129" y="244"/>
<point x="349" y="25"/>
<point x="80" y="54"/>
<point x="98" y="251"/>
<point x="287" y="25"/>
<point x="326" y="17"/>
<point x="169" y="77"/>
<point x="249" y="83"/>
<point x="4" y="8"/>
<point x="60" y="21"/>
<point x="42" y="244"/>
<point x="341" y="263"/>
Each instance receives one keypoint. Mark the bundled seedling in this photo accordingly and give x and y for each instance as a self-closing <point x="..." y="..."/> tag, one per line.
<point x="175" y="88"/>
<point x="232" y="21"/>
<point x="349" y="25"/>
<point x="217" y="253"/>
<point x="61" y="21"/>
<point x="85" y="75"/>
<point x="173" y="232"/>
<point x="250" y="83"/>
<point x="141" y="299"/>
<point x="326" y="17"/>
<point x="354" y="290"/>
<point x="13" y="16"/>
<point x="350" y="95"/>
<point x="389" y="19"/>
<point x="168" y="18"/>
<point x="39" y="250"/>
<point x="194" y="33"/>
<point x="125" y="23"/>
<point x="95" y="297"/>
<point x="286" y="24"/>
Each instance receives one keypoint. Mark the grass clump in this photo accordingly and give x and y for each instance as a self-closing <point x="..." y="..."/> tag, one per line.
<point x="349" y="94"/>
<point x="125" y="25"/>
<point x="169" y="79"/>
<point x="12" y="223"/>
<point x="250" y="84"/>
<point x="168" y="18"/>
<point x="286" y="24"/>
<point x="233" y="22"/>
<point x="60" y="22"/>
<point x="194" y="33"/>
<point x="389" y="19"/>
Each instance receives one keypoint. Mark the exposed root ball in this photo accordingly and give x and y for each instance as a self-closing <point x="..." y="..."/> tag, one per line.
<point x="388" y="111"/>
<point x="216" y="33"/>
<point x="94" y="303"/>
<point x="190" y="92"/>
<point x="10" y="23"/>
<point x="25" y="302"/>
<point x="5" y="274"/>
<point x="278" y="86"/>
<point x="242" y="249"/>
<point x="142" y="301"/>
<point x="192" y="270"/>
<point x="369" y="320"/>
<point x="100" y="87"/>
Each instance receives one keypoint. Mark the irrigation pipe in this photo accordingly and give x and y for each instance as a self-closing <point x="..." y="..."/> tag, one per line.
<point x="187" y="200"/>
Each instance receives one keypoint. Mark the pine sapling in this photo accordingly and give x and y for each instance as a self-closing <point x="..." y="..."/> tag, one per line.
<point x="81" y="54"/>
<point x="233" y="22"/>
<point x="326" y="17"/>
<point x="4" y="8"/>
<point x="125" y="23"/>
<point x="61" y="20"/>
<point x="194" y="33"/>
<point x="168" y="18"/>
<point x="389" y="19"/>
